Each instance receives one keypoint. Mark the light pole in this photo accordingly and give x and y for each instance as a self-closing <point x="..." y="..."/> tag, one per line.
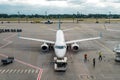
<point x="46" y="15"/>
<point x="97" y="18"/>
<point x="73" y="18"/>
<point x="18" y="17"/>
<point x="109" y="16"/>
<point x="77" y="16"/>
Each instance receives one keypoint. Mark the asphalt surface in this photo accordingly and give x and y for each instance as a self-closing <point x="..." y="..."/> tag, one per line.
<point x="32" y="64"/>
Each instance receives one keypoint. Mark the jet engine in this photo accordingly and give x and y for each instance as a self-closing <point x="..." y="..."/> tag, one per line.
<point x="44" y="47"/>
<point x="75" y="47"/>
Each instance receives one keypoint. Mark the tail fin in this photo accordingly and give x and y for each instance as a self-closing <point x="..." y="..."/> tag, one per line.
<point x="105" y="27"/>
<point x="18" y="34"/>
<point x="59" y="24"/>
<point x="100" y="34"/>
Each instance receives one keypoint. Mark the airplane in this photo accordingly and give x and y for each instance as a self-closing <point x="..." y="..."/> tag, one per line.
<point x="60" y="45"/>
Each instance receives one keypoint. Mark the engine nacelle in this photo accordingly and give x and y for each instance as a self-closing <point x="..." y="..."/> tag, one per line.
<point x="44" y="47"/>
<point x="75" y="47"/>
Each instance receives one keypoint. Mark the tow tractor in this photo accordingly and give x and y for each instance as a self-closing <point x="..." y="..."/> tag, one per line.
<point x="60" y="64"/>
<point x="117" y="51"/>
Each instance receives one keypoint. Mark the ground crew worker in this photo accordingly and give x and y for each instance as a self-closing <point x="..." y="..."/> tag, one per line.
<point x="85" y="57"/>
<point x="93" y="62"/>
<point x="100" y="56"/>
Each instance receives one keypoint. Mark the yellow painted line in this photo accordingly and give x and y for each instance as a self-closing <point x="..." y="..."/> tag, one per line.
<point x="105" y="47"/>
<point x="109" y="50"/>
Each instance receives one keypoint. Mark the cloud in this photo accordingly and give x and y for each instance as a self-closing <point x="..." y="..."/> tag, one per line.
<point x="112" y="1"/>
<point x="78" y="2"/>
<point x="34" y="2"/>
<point x="59" y="6"/>
<point x="56" y="0"/>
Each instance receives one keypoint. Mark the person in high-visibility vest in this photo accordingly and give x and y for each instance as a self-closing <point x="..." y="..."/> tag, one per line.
<point x="100" y="56"/>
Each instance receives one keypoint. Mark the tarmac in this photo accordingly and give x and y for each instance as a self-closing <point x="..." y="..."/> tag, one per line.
<point x="32" y="64"/>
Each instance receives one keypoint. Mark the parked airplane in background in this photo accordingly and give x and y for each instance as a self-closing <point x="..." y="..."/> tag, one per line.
<point x="60" y="47"/>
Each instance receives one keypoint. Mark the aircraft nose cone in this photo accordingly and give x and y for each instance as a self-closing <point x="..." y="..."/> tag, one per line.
<point x="60" y="53"/>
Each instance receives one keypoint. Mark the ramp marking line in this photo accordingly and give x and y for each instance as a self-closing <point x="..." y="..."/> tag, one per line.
<point x="8" y="41"/>
<point x="30" y="65"/>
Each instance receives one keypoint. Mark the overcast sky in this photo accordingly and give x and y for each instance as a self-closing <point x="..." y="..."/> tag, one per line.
<point x="60" y="6"/>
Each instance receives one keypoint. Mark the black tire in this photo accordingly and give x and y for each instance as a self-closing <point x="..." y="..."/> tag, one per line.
<point x="17" y="30"/>
<point x="3" y="30"/>
<point x="14" y="30"/>
<point x="8" y="30"/>
<point x="11" y="61"/>
<point x="0" y="30"/>
<point x="20" y="30"/>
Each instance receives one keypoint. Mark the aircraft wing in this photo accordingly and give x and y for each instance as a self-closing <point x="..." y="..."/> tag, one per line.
<point x="40" y="40"/>
<point x="80" y="40"/>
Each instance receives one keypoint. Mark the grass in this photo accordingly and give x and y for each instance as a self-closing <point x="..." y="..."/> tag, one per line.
<point x="91" y="20"/>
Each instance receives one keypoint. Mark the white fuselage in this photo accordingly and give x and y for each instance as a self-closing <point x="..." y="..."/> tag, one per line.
<point x="60" y="45"/>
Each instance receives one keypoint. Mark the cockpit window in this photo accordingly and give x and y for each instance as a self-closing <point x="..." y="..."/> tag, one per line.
<point x="59" y="47"/>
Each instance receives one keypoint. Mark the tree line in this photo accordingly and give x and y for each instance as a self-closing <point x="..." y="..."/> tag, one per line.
<point x="60" y="15"/>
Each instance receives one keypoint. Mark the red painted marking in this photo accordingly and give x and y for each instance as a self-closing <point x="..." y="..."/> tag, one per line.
<point x="30" y="65"/>
<point x="39" y="74"/>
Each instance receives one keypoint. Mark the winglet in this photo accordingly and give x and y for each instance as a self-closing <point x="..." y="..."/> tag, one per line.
<point x="100" y="35"/>
<point x="18" y="34"/>
<point x="105" y="27"/>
